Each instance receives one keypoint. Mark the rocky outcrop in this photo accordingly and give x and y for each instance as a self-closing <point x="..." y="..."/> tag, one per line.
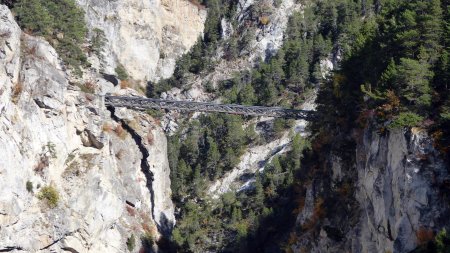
<point x="397" y="202"/>
<point x="398" y="180"/>
<point x="268" y="37"/>
<point x="153" y="141"/>
<point x="54" y="136"/>
<point x="145" y="37"/>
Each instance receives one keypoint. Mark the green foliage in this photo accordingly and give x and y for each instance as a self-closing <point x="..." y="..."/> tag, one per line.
<point x="131" y="243"/>
<point x="413" y="78"/>
<point x="395" y="66"/>
<point x="121" y="72"/>
<point x="29" y="186"/>
<point x="50" y="195"/>
<point x="147" y="240"/>
<point x="98" y="42"/>
<point x="442" y="241"/>
<point x="406" y="119"/>
<point x="65" y="30"/>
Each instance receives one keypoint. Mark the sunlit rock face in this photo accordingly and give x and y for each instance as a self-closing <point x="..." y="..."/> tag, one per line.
<point x="53" y="135"/>
<point x="143" y="36"/>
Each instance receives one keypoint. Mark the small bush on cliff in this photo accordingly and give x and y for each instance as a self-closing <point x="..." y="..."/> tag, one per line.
<point x="121" y="72"/>
<point x="50" y="195"/>
<point x="131" y="243"/>
<point x="442" y="241"/>
<point x="406" y="119"/>
<point x="29" y="186"/>
<point x="61" y="22"/>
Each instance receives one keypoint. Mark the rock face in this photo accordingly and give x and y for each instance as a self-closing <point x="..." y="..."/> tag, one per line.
<point x="269" y="37"/>
<point x="397" y="198"/>
<point x="398" y="178"/>
<point x="53" y="136"/>
<point x="144" y="36"/>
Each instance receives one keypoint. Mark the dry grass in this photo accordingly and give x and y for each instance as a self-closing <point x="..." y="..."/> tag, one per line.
<point x="150" y="137"/>
<point x="88" y="87"/>
<point x="107" y="128"/>
<point x="149" y="229"/>
<point x="264" y="20"/>
<point x="318" y="213"/>
<point x="124" y="84"/>
<point x="424" y="235"/>
<point x="130" y="210"/>
<point x="16" y="92"/>
<point x="120" y="131"/>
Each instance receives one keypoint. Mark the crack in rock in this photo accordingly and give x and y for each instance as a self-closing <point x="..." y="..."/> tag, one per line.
<point x="10" y="248"/>
<point x="59" y="239"/>
<point x="145" y="166"/>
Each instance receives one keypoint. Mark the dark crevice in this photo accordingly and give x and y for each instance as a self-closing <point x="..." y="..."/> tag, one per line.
<point x="145" y="167"/>
<point x="69" y="249"/>
<point x="10" y="248"/>
<point x="59" y="239"/>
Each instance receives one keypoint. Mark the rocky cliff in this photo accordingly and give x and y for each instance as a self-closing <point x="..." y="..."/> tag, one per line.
<point x="145" y="37"/>
<point x="75" y="176"/>
<point x="392" y="196"/>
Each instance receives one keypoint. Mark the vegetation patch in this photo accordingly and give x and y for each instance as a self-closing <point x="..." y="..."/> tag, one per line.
<point x="61" y="22"/>
<point x="131" y="243"/>
<point x="121" y="73"/>
<point x="29" y="186"/>
<point x="406" y="119"/>
<point x="50" y="195"/>
<point x="16" y="92"/>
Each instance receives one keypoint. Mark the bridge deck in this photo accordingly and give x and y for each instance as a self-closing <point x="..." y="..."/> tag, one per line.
<point x="151" y="103"/>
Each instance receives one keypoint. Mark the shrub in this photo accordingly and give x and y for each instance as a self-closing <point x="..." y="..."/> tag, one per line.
<point x="29" y="186"/>
<point x="121" y="72"/>
<point x="50" y="195"/>
<point x="442" y="241"/>
<point x="98" y="42"/>
<point x="124" y="84"/>
<point x="264" y="20"/>
<point x="405" y="119"/>
<point x="131" y="243"/>
<point x="88" y="87"/>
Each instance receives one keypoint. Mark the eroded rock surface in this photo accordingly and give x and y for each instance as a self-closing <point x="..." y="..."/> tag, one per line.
<point x="145" y="37"/>
<point x="396" y="200"/>
<point x="53" y="135"/>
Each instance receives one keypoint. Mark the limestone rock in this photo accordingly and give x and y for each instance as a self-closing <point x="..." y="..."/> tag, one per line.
<point x="53" y="135"/>
<point x="145" y="37"/>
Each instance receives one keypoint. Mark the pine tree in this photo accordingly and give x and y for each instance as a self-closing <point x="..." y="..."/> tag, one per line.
<point x="247" y="95"/>
<point x="212" y="159"/>
<point x="413" y="77"/>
